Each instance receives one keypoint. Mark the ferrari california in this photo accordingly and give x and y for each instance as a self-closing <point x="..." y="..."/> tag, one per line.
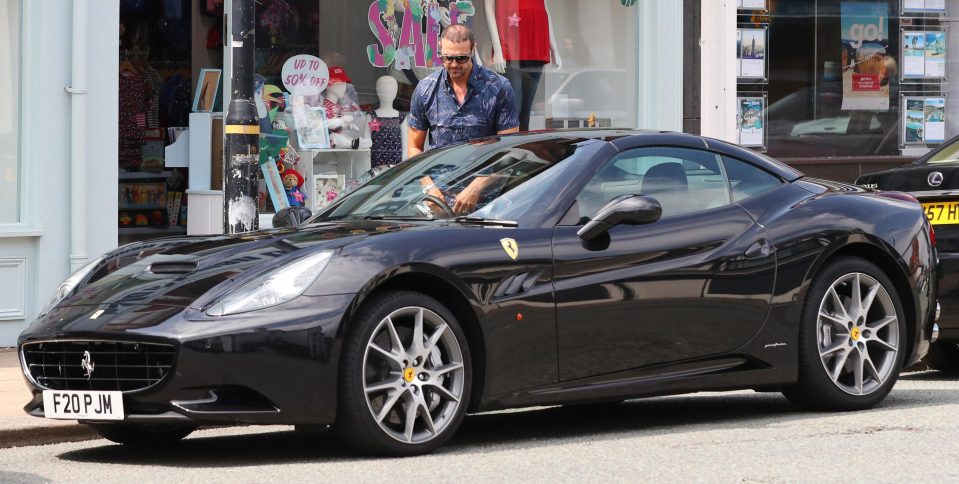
<point x="544" y="268"/>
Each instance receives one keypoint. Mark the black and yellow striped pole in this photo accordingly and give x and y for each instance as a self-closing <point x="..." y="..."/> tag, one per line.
<point x="242" y="130"/>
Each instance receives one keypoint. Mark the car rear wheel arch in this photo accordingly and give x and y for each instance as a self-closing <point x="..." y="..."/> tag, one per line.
<point x="878" y="257"/>
<point x="454" y="300"/>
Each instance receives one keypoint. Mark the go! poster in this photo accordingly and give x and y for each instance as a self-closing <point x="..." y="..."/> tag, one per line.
<point x="865" y="56"/>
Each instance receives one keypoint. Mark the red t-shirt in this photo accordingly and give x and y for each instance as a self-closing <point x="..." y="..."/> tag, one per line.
<point x="523" y="29"/>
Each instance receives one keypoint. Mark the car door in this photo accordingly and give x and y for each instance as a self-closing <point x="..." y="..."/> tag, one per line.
<point x="695" y="283"/>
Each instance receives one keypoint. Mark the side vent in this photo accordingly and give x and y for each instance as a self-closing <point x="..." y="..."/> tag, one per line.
<point x="516" y="284"/>
<point x="172" y="267"/>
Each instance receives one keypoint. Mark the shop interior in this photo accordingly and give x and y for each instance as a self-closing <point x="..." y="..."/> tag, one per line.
<point x="333" y="84"/>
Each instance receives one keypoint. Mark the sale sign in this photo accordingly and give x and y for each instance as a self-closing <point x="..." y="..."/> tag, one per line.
<point x="408" y="36"/>
<point x="305" y="75"/>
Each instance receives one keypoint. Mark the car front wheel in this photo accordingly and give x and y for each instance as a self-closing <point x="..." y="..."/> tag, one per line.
<point x="405" y="376"/>
<point x="852" y="338"/>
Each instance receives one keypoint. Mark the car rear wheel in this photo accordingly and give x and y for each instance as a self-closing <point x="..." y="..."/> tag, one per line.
<point x="405" y="376"/>
<point x="943" y="356"/>
<point x="143" y="434"/>
<point x="851" y="338"/>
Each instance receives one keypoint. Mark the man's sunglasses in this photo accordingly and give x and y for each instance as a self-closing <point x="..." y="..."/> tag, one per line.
<point x="459" y="59"/>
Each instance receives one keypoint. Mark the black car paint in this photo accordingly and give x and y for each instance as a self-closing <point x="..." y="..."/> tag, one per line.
<point x="914" y="179"/>
<point x="280" y="365"/>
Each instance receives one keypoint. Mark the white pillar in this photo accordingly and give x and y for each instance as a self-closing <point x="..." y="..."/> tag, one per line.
<point x="660" y="64"/>
<point x="78" y="137"/>
<point x="718" y="62"/>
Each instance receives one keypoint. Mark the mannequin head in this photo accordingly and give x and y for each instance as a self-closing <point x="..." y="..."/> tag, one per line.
<point x="336" y="91"/>
<point x="386" y="88"/>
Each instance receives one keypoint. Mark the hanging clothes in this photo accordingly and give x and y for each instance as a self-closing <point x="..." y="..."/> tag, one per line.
<point x="523" y="29"/>
<point x="387" y="138"/>
<point x="134" y="101"/>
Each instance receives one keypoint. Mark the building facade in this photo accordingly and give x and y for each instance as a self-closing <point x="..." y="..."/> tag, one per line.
<point x="88" y="162"/>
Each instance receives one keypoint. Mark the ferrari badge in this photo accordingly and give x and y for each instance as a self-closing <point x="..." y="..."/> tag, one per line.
<point x="511" y="247"/>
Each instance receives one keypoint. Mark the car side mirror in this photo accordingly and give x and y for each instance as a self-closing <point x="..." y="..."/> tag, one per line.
<point x="291" y="217"/>
<point x="622" y="210"/>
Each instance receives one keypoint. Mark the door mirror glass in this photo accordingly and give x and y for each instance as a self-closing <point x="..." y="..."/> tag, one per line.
<point x="291" y="217"/>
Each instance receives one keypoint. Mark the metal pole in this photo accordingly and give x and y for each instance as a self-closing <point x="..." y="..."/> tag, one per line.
<point x="242" y="130"/>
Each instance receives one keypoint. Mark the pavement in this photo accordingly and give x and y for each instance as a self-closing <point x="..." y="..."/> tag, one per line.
<point x="17" y="429"/>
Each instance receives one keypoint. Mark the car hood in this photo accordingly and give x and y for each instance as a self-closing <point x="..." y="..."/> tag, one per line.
<point x="178" y="271"/>
<point x="913" y="178"/>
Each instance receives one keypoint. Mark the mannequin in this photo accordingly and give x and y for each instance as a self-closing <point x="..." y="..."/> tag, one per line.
<point x="386" y="126"/>
<point x="523" y="43"/>
<point x="336" y="120"/>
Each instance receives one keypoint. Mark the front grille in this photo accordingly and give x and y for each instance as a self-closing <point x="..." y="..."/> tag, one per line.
<point x="117" y="366"/>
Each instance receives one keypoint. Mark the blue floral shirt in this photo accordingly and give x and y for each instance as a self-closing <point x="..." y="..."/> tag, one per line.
<point x="488" y="108"/>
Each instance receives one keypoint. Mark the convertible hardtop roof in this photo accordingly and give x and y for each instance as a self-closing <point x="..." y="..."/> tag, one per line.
<point x="625" y="139"/>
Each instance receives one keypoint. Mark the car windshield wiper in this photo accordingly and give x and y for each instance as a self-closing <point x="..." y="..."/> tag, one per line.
<point x="486" y="221"/>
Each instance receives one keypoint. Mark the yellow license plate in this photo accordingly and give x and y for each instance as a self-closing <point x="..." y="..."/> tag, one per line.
<point x="942" y="213"/>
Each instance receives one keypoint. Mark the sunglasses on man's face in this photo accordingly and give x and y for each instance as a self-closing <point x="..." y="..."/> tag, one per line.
<point x="459" y="59"/>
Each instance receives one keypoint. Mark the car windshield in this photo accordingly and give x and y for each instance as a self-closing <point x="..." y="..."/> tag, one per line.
<point x="946" y="154"/>
<point x="492" y="178"/>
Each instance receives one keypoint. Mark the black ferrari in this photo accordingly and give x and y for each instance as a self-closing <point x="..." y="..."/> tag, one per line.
<point x="934" y="180"/>
<point x="546" y="268"/>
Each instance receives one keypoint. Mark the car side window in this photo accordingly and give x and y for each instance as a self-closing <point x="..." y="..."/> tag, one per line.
<point x="747" y="180"/>
<point x="683" y="180"/>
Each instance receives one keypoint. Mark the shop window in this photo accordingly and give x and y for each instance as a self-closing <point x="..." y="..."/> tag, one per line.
<point x="335" y="78"/>
<point x="841" y="78"/>
<point x="9" y="111"/>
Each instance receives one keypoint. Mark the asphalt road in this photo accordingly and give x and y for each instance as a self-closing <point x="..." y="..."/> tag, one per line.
<point x="710" y="437"/>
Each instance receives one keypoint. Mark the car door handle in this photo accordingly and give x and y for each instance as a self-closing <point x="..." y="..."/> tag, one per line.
<point x="759" y="250"/>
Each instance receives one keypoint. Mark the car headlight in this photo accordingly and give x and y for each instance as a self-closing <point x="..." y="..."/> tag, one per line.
<point x="274" y="287"/>
<point x="69" y="284"/>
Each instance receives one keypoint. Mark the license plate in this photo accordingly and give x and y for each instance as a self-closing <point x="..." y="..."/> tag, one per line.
<point x="942" y="213"/>
<point x="83" y="405"/>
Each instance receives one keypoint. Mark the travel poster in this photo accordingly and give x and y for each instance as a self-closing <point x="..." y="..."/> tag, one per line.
<point x="752" y="53"/>
<point x="924" y="120"/>
<point x="749" y="114"/>
<point x="935" y="120"/>
<point x="936" y="54"/>
<point x="913" y="54"/>
<point x="915" y="119"/>
<point x="751" y="4"/>
<point x="924" y="6"/>
<point x="865" y="59"/>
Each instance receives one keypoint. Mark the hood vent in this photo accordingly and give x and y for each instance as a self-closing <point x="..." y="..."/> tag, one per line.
<point x="172" y="267"/>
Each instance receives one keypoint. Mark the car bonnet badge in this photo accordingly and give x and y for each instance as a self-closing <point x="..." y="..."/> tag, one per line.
<point x="87" y="364"/>
<point x="511" y="247"/>
<point x="935" y="179"/>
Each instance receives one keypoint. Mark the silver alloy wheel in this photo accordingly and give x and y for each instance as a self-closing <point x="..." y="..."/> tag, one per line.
<point x="857" y="331"/>
<point x="413" y="375"/>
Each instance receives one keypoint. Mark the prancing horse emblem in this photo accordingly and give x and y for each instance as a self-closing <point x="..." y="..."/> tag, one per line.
<point x="87" y="364"/>
<point x="511" y="247"/>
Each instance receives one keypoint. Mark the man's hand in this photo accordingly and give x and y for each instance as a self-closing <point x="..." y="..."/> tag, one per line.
<point x="467" y="199"/>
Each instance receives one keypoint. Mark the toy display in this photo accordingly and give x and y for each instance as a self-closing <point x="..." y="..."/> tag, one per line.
<point x="292" y="184"/>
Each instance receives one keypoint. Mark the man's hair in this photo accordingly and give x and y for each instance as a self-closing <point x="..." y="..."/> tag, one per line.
<point x="459" y="33"/>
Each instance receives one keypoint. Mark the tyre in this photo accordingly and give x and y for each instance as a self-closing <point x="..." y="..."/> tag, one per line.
<point x="405" y="376"/>
<point x="852" y="338"/>
<point x="143" y="434"/>
<point x="943" y="356"/>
